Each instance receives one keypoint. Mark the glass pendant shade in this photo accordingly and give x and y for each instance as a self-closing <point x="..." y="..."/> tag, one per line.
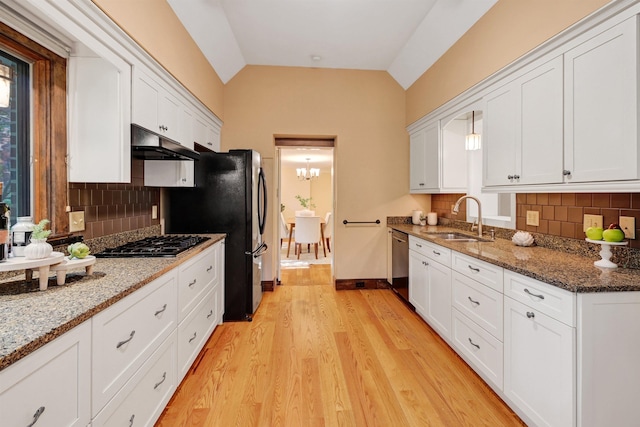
<point x="473" y="141"/>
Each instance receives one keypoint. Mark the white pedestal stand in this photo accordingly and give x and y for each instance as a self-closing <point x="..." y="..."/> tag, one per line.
<point x="605" y="252"/>
<point x="28" y="265"/>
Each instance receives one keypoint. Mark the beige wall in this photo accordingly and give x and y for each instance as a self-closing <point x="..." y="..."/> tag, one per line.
<point x="364" y="110"/>
<point x="507" y="31"/>
<point x="154" y="25"/>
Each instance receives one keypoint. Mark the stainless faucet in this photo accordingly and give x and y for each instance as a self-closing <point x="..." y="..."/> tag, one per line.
<point x="456" y="208"/>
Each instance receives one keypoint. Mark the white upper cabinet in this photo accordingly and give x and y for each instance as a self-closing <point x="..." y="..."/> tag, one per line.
<point x="437" y="165"/>
<point x="154" y="107"/>
<point x="99" y="119"/>
<point x="601" y="114"/>
<point x="206" y="133"/>
<point x="523" y="129"/>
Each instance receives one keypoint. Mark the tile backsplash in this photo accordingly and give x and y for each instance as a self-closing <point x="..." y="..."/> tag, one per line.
<point x="441" y="204"/>
<point x="115" y="208"/>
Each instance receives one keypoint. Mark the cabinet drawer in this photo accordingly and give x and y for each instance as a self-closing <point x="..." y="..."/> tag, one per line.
<point x="195" y="280"/>
<point x="53" y="381"/>
<point x="480" y="303"/>
<point x="431" y="250"/>
<point x="127" y="333"/>
<point x="481" y="349"/>
<point x="143" y="398"/>
<point x="485" y="273"/>
<point x="548" y="299"/>
<point x="194" y="331"/>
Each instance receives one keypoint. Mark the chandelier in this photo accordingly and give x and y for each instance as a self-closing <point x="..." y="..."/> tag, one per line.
<point x="307" y="173"/>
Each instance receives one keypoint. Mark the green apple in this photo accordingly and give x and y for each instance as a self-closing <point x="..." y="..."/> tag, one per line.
<point x="613" y="234"/>
<point x="594" y="233"/>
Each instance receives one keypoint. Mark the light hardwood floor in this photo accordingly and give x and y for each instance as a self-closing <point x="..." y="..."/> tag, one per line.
<point x="314" y="356"/>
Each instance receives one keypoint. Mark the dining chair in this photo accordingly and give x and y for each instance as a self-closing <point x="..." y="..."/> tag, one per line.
<point x="284" y="229"/>
<point x="328" y="229"/>
<point x="307" y="232"/>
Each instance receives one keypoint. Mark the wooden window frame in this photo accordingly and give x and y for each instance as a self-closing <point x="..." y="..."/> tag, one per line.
<point x="48" y="127"/>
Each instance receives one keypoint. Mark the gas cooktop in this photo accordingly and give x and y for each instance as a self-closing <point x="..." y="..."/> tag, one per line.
<point x="159" y="246"/>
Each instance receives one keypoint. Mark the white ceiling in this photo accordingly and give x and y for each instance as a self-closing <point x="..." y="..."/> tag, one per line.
<point x="321" y="158"/>
<point x="403" y="37"/>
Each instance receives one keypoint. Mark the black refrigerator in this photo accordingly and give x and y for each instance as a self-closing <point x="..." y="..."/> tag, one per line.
<point x="229" y="197"/>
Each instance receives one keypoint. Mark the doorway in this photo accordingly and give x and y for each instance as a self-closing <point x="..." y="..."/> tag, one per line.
<point x="305" y="171"/>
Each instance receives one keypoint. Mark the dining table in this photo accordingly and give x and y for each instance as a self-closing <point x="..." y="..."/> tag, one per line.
<point x="291" y="224"/>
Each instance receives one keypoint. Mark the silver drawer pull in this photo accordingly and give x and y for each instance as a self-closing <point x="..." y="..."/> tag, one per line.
<point x="437" y="253"/>
<point x="210" y="314"/>
<point x="164" y="307"/>
<point x="474" y="344"/>
<point x="418" y="245"/>
<point x="36" y="416"/>
<point x="477" y="270"/>
<point x="121" y="343"/>
<point x="530" y="314"/>
<point x="164" y="378"/>
<point x="474" y="302"/>
<point x="131" y="420"/>
<point x="192" y="338"/>
<point x="210" y="268"/>
<point x="193" y="283"/>
<point x="425" y="263"/>
<point x="533" y="295"/>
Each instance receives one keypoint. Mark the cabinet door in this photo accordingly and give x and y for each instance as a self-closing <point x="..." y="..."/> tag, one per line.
<point x="169" y="173"/>
<point x="439" y="298"/>
<point x="168" y="116"/>
<point x="146" y="99"/>
<point x="51" y="386"/>
<point x="424" y="172"/>
<point x="539" y="365"/>
<point x="100" y="120"/>
<point x="601" y="114"/>
<point x="186" y="127"/>
<point x="499" y="136"/>
<point x="418" y="283"/>
<point x="540" y="124"/>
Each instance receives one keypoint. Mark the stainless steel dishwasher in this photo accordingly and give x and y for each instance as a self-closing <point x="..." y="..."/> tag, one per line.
<point x="400" y="264"/>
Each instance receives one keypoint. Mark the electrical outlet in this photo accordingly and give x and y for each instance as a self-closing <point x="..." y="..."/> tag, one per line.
<point x="533" y="218"/>
<point x="154" y="211"/>
<point x="628" y="225"/>
<point x="591" y="221"/>
<point x="76" y="221"/>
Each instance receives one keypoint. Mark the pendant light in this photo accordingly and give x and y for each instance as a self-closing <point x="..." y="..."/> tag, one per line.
<point x="473" y="141"/>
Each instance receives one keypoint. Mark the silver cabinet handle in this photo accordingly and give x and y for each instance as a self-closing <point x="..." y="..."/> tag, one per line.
<point x="210" y="144"/>
<point x="474" y="302"/>
<point x="164" y="307"/>
<point x="516" y="176"/>
<point x="566" y="172"/>
<point x="533" y="295"/>
<point x="193" y="283"/>
<point x="193" y="337"/>
<point x="121" y="343"/>
<point x="164" y="377"/>
<point x="437" y="253"/>
<point x="418" y="245"/>
<point x="509" y="177"/>
<point x="477" y="270"/>
<point x="425" y="263"/>
<point x="131" y="419"/>
<point x="530" y="315"/>
<point x="421" y="184"/>
<point x="210" y="314"/>
<point x="184" y="179"/>
<point x="210" y="268"/>
<point x="474" y="344"/>
<point x="36" y="416"/>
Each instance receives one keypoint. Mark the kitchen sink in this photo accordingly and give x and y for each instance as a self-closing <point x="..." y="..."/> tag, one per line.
<point x="458" y="237"/>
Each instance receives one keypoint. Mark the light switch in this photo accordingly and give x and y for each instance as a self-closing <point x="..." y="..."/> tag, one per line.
<point x="76" y="221"/>
<point x="154" y="211"/>
<point x="592" y="221"/>
<point x="533" y="218"/>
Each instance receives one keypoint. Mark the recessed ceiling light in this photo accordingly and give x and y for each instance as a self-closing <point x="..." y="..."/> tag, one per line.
<point x="316" y="57"/>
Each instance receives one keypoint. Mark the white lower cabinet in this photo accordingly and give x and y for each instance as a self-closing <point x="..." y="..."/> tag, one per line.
<point x="194" y="331"/>
<point x="127" y="333"/>
<point x="539" y="365"/>
<point x="143" y="398"/>
<point x="439" y="298"/>
<point x="51" y="386"/>
<point x="418" y="293"/>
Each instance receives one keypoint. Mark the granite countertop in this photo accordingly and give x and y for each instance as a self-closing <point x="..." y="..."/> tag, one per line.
<point x="30" y="320"/>
<point x="573" y="273"/>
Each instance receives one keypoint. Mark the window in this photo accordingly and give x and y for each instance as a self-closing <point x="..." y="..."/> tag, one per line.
<point x="15" y="140"/>
<point x="48" y="130"/>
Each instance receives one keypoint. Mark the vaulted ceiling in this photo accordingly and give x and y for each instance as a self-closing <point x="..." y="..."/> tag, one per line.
<point x="402" y="37"/>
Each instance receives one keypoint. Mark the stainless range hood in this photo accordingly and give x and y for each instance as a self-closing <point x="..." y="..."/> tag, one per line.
<point x="151" y="146"/>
